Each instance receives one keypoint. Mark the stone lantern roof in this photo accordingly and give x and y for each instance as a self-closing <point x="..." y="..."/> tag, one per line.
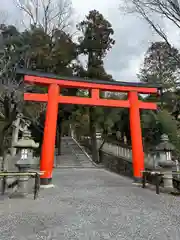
<point x="165" y="145"/>
<point x="26" y="141"/>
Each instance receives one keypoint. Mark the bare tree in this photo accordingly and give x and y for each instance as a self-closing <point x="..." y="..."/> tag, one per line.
<point x="48" y="14"/>
<point x="164" y="9"/>
<point x="149" y="10"/>
<point x="3" y="17"/>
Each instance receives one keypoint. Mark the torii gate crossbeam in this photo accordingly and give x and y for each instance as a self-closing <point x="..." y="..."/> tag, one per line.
<point x="53" y="98"/>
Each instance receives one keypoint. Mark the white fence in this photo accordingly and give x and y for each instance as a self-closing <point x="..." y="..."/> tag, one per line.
<point x="151" y="159"/>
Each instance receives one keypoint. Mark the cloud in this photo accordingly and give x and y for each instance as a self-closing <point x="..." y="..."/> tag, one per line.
<point x="132" y="35"/>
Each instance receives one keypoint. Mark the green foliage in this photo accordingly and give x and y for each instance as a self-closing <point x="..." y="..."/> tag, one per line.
<point x="96" y="37"/>
<point x="160" y="65"/>
<point x="170" y="127"/>
<point x="81" y="122"/>
<point x="37" y="50"/>
<point x="8" y="57"/>
<point x="95" y="42"/>
<point x="106" y="119"/>
<point x="8" y="110"/>
<point x="151" y="128"/>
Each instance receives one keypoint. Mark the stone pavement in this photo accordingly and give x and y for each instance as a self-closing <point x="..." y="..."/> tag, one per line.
<point x="91" y="204"/>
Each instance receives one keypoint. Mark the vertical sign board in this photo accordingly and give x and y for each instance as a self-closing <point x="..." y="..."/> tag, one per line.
<point x="53" y="98"/>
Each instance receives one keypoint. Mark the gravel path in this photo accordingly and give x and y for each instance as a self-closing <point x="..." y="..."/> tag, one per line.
<point x="91" y="204"/>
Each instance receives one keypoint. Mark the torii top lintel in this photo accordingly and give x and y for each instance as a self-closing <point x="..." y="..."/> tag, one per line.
<point x="72" y="82"/>
<point x="94" y="85"/>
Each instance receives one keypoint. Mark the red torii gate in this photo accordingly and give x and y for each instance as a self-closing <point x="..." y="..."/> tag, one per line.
<point x="53" y="98"/>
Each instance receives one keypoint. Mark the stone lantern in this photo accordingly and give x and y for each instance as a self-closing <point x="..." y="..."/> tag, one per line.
<point x="164" y="150"/>
<point x="26" y="146"/>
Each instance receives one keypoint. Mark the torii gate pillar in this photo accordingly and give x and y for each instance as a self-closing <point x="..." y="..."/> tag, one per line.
<point x="136" y="135"/>
<point x="47" y="157"/>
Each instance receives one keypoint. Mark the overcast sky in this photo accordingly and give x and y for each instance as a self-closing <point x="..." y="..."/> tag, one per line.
<point x="132" y="35"/>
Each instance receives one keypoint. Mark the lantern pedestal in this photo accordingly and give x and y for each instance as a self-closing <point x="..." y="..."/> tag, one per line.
<point x="165" y="149"/>
<point x="22" y="187"/>
<point x="167" y="177"/>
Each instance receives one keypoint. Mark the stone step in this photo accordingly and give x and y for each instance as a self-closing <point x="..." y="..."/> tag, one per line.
<point x="72" y="155"/>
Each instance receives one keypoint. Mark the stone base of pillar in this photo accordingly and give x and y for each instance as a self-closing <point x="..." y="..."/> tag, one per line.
<point x="47" y="186"/>
<point x="137" y="181"/>
<point x="46" y="183"/>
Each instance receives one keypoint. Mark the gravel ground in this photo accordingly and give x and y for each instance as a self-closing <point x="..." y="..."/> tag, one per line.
<point x="91" y="204"/>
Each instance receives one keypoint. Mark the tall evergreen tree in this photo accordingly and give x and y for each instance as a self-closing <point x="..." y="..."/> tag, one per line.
<point x="95" y="43"/>
<point x="160" y="65"/>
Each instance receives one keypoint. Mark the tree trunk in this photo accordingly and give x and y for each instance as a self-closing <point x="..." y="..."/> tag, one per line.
<point x="92" y="128"/>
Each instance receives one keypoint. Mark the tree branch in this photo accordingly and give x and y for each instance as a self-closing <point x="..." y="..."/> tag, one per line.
<point x="48" y="14"/>
<point x="144" y="8"/>
<point x="26" y="9"/>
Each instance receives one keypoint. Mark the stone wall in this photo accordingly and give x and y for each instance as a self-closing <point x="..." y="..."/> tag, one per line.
<point x="116" y="164"/>
<point x="121" y="166"/>
<point x="111" y="156"/>
<point x="111" y="162"/>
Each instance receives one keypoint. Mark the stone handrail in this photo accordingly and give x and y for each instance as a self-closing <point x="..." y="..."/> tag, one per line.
<point x="151" y="160"/>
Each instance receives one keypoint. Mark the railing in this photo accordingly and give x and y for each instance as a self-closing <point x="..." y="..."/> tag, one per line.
<point x="125" y="152"/>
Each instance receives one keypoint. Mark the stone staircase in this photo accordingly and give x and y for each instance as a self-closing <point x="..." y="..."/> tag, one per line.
<point x="72" y="155"/>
